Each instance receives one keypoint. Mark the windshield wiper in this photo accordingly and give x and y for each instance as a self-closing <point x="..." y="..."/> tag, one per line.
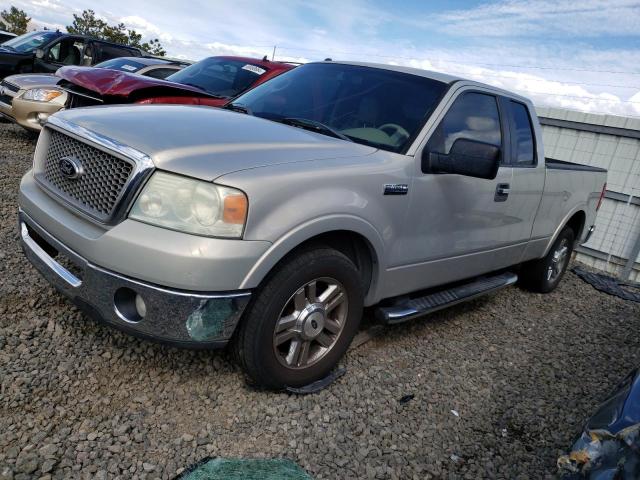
<point x="314" y="126"/>
<point x="238" y="107"/>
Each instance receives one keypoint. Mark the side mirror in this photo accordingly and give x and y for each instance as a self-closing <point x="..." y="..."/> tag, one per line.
<point x="39" y="53"/>
<point x="467" y="157"/>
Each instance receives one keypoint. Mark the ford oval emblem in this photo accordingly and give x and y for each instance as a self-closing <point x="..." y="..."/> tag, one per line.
<point x="70" y="167"/>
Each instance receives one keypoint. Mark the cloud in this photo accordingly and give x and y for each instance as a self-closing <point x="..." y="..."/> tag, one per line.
<point x="146" y="28"/>
<point x="559" y="53"/>
<point x="516" y="18"/>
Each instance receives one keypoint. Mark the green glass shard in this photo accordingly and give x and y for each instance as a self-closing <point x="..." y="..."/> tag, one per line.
<point x="207" y="322"/>
<point x="246" y="469"/>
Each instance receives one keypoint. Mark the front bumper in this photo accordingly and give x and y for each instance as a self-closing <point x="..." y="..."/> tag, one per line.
<point x="180" y="318"/>
<point x="28" y="113"/>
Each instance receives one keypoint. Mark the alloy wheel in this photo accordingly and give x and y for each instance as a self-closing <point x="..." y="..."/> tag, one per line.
<point x="310" y="323"/>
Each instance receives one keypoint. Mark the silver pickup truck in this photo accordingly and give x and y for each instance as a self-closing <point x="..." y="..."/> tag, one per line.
<point x="270" y="224"/>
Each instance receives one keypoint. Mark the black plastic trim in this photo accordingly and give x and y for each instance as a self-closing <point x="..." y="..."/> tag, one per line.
<point x="553" y="164"/>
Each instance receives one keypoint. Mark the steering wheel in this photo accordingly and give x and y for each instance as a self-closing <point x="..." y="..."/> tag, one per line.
<point x="398" y="134"/>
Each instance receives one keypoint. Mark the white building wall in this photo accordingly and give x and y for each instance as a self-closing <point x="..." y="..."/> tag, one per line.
<point x="618" y="222"/>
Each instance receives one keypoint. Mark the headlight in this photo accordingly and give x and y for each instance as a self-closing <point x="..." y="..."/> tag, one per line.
<point x="191" y="206"/>
<point x="42" y="94"/>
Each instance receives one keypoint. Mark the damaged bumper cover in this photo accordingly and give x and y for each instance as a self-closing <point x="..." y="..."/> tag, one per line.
<point x="180" y="318"/>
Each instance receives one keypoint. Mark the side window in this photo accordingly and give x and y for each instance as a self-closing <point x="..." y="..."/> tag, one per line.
<point x="473" y="116"/>
<point x="160" y="73"/>
<point x="521" y="135"/>
<point x="66" y="52"/>
<point x="108" y="51"/>
<point x="54" y="53"/>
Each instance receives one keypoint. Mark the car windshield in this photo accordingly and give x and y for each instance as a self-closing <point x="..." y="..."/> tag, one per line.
<point x="372" y="106"/>
<point x="219" y="76"/>
<point x="30" y="41"/>
<point x="122" y="64"/>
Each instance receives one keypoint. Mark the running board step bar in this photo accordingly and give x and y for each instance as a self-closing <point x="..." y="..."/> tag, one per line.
<point x="416" y="307"/>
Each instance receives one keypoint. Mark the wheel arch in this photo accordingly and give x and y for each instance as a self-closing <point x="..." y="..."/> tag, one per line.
<point x="576" y="219"/>
<point x="352" y="236"/>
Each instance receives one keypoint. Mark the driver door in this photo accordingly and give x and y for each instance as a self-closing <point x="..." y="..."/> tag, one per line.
<point x="462" y="226"/>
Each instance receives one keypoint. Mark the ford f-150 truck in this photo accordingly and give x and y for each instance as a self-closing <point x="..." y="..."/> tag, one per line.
<point x="270" y="224"/>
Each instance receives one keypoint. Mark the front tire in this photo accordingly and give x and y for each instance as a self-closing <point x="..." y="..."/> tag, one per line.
<point x="544" y="275"/>
<point x="302" y="320"/>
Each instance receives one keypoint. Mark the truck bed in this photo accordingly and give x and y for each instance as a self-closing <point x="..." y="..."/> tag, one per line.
<point x="554" y="164"/>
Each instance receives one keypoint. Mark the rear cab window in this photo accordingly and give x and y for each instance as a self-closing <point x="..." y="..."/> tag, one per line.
<point x="108" y="51"/>
<point x="522" y="137"/>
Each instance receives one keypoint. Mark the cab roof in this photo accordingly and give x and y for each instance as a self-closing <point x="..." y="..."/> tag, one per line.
<point x="442" y="77"/>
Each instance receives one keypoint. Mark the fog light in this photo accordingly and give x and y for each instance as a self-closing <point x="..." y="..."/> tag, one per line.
<point x="129" y="306"/>
<point x="141" y="307"/>
<point x="42" y="118"/>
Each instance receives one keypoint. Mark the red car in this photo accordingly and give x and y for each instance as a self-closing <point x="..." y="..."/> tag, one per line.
<point x="212" y="81"/>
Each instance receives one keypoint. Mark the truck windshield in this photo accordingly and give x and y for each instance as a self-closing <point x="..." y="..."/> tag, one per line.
<point x="30" y="41"/>
<point x="372" y="106"/>
<point x="219" y="76"/>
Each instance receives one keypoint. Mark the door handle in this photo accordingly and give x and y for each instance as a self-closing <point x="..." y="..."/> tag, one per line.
<point x="502" y="192"/>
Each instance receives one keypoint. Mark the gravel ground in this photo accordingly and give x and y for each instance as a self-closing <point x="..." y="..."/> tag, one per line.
<point x="521" y="371"/>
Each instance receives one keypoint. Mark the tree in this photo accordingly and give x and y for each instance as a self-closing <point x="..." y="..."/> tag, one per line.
<point x="14" y="20"/>
<point x="154" y="47"/>
<point x="89" y="24"/>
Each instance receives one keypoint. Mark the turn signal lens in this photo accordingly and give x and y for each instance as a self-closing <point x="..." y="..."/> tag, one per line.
<point x="235" y="209"/>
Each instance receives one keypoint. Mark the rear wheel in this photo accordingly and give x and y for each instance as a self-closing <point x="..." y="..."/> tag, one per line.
<point x="544" y="275"/>
<point x="302" y="320"/>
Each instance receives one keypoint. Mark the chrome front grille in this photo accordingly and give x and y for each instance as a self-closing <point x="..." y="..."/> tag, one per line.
<point x="101" y="183"/>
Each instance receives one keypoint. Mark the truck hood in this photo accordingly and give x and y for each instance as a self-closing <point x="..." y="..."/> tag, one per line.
<point x="205" y="142"/>
<point x="121" y="84"/>
<point x="33" y="80"/>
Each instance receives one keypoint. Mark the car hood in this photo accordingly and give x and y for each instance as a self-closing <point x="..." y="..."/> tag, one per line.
<point x="8" y="51"/>
<point x="205" y="142"/>
<point x="108" y="82"/>
<point x="33" y="80"/>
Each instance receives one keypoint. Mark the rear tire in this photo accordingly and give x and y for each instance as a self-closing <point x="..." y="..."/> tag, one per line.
<point x="301" y="321"/>
<point x="544" y="275"/>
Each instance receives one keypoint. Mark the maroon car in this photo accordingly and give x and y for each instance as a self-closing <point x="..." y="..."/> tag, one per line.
<point x="212" y="81"/>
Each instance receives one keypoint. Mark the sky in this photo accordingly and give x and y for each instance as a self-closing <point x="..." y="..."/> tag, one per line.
<point x="583" y="55"/>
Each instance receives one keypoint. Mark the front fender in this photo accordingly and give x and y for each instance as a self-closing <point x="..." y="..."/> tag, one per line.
<point x="312" y="228"/>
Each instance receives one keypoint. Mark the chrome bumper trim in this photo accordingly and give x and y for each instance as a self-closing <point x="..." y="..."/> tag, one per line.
<point x="62" y="272"/>
<point x="181" y="318"/>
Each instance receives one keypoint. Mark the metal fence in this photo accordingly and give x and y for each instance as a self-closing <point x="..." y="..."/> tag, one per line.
<point x="613" y="143"/>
